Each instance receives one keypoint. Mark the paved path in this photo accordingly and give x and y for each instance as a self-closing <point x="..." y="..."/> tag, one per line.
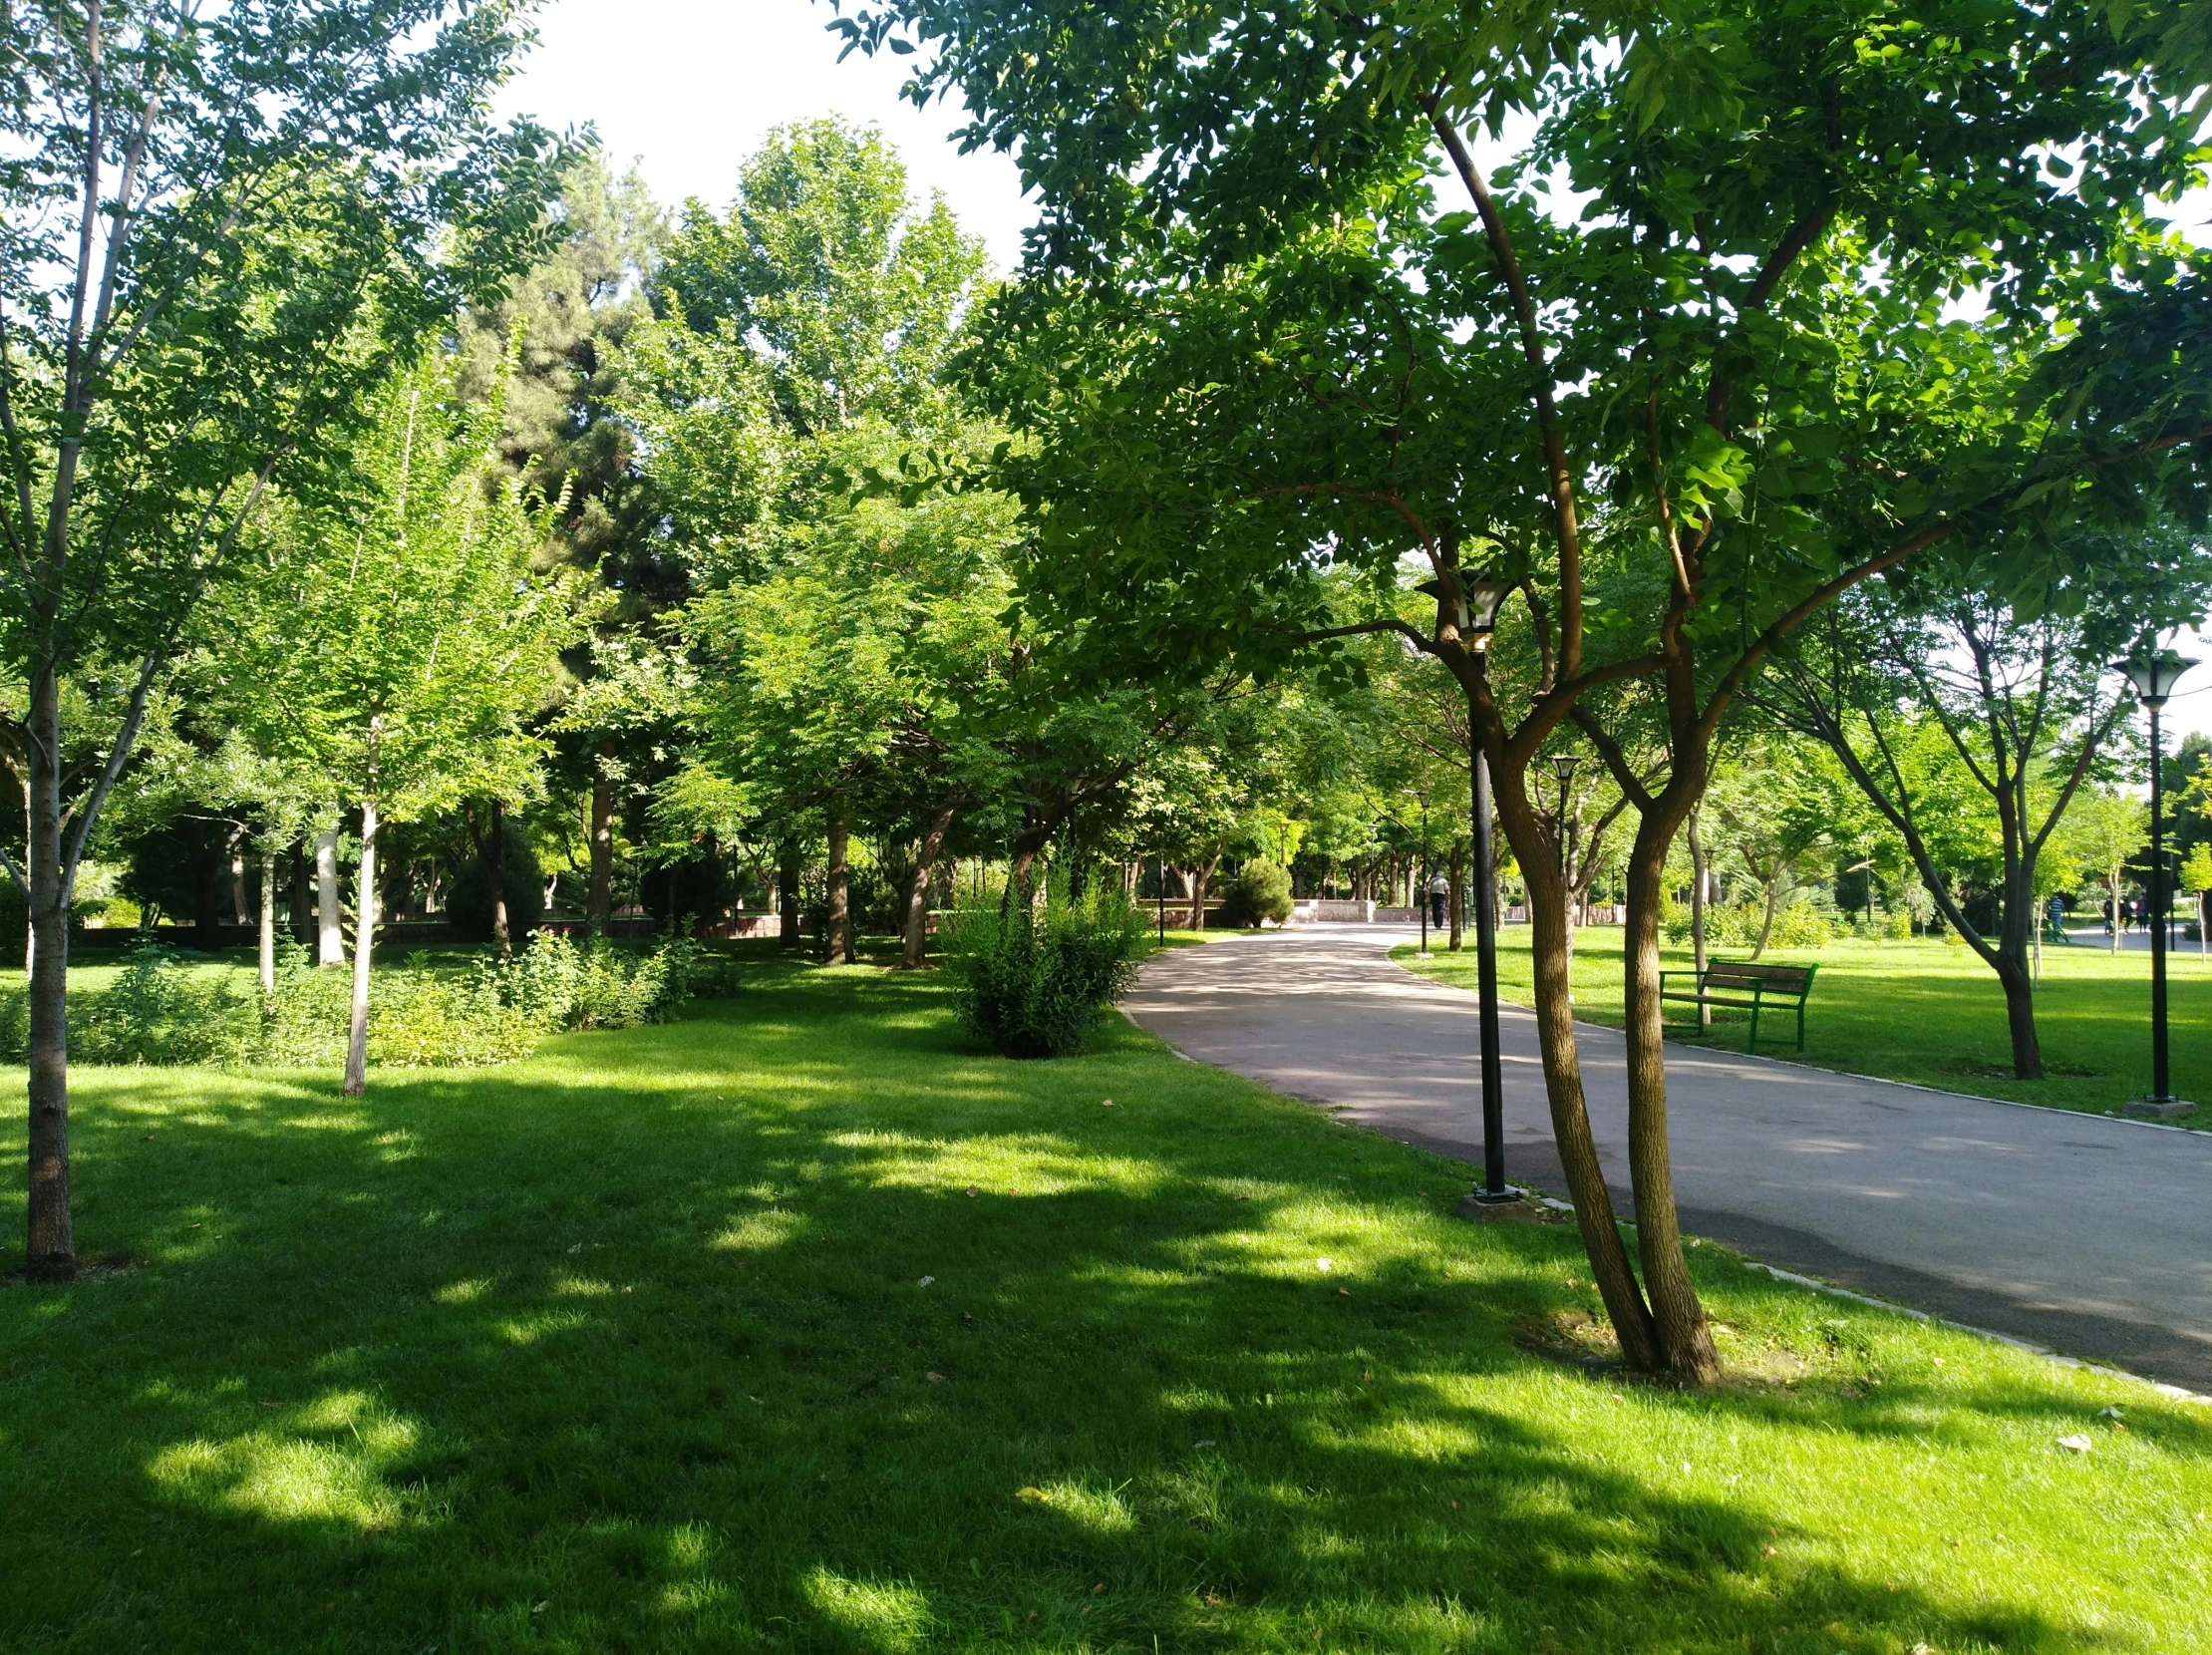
<point x="2086" y="1233"/>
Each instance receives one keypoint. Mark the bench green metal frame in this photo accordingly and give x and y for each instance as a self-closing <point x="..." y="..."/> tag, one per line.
<point x="1754" y="987"/>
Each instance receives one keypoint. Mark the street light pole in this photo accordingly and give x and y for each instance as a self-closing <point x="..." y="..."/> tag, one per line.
<point x="1480" y="597"/>
<point x="2155" y="677"/>
<point x="1161" y="895"/>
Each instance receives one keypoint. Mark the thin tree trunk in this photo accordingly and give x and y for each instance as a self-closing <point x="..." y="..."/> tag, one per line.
<point x="838" y="947"/>
<point x="495" y="872"/>
<point x="1458" y="906"/>
<point x="303" y="899"/>
<point x="50" y="1249"/>
<point x="1201" y="882"/>
<point x="364" y="945"/>
<point x="330" y="938"/>
<point x="1700" y="880"/>
<point x="268" y="921"/>
<point x="600" y="909"/>
<point x="1684" y="1340"/>
<point x="2112" y="912"/>
<point x="1766" y="921"/>
<point x="917" y="896"/>
<point x="238" y="880"/>
<point x="786" y="895"/>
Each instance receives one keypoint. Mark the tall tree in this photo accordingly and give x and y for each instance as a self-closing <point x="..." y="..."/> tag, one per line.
<point x="1626" y="415"/>
<point x="218" y="229"/>
<point x="399" y="640"/>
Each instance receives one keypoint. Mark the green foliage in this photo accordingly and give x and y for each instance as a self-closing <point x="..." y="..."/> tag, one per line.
<point x="1034" y="985"/>
<point x="164" y="1008"/>
<point x="1737" y="925"/>
<point x="1259" y="891"/>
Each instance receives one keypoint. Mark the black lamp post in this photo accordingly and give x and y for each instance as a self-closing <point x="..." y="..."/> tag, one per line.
<point x="1480" y="597"/>
<point x="1563" y="765"/>
<point x="2154" y="674"/>
<point x="1161" y="896"/>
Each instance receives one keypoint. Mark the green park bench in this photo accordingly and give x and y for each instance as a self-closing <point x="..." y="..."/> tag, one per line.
<point x="1741" y="986"/>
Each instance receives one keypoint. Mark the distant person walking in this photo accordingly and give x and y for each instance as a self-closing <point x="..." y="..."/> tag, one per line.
<point x="1440" y="896"/>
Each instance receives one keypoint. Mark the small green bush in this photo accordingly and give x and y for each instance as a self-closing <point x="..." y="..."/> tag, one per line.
<point x="160" y="1011"/>
<point x="1033" y="985"/>
<point x="1260" y="890"/>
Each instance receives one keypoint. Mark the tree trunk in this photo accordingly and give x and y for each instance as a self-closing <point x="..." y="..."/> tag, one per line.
<point x="330" y="940"/>
<point x="2016" y="927"/>
<point x="601" y="905"/>
<point x="1685" y="1341"/>
<point x="2112" y="910"/>
<point x="496" y="873"/>
<point x="303" y="900"/>
<point x="1570" y="1115"/>
<point x="917" y="897"/>
<point x="1458" y="906"/>
<point x="239" y="882"/>
<point x="50" y="1249"/>
<point x="364" y="945"/>
<point x="1201" y="882"/>
<point x="839" y="949"/>
<point x="1700" y="882"/>
<point x="1766" y="921"/>
<point x="786" y="895"/>
<point x="268" y="921"/>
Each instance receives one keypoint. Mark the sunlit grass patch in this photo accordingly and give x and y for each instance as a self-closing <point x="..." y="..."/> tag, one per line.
<point x="1926" y="1012"/>
<point x="607" y="1360"/>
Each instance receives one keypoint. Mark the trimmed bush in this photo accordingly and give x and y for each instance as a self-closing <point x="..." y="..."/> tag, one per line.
<point x="1035" y="984"/>
<point x="1260" y="890"/>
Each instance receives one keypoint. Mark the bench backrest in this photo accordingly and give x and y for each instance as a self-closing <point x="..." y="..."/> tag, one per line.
<point x="1790" y="979"/>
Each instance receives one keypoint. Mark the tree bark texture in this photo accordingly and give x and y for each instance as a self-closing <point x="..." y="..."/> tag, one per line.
<point x="49" y="1248"/>
<point x="330" y="936"/>
<point x="1685" y="1339"/>
<point x="601" y="904"/>
<point x="839" y="949"/>
<point x="364" y="945"/>
<point x="916" y="929"/>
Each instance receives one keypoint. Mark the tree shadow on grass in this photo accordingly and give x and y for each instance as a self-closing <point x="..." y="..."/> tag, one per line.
<point x="645" y="1358"/>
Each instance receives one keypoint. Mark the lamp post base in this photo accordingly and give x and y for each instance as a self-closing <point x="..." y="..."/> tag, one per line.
<point x="2160" y="1109"/>
<point x="1513" y="1207"/>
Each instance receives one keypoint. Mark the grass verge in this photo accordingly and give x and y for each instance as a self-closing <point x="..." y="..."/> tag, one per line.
<point x="1920" y="1011"/>
<point x="804" y="1325"/>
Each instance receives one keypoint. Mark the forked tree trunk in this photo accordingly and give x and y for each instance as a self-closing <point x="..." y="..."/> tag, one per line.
<point x="1766" y="920"/>
<point x="839" y="949"/>
<point x="330" y="937"/>
<point x="268" y="921"/>
<point x="600" y="909"/>
<point x="916" y="929"/>
<point x="364" y="945"/>
<point x="1678" y="1320"/>
<point x="1570" y="1116"/>
<point x="49" y="1248"/>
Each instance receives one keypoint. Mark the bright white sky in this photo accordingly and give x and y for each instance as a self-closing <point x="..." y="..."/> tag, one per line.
<point x="688" y="89"/>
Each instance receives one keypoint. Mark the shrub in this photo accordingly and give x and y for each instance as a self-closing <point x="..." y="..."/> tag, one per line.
<point x="1260" y="890"/>
<point x="164" y="1009"/>
<point x="160" y="1011"/>
<point x="1033" y="985"/>
<point x="468" y="900"/>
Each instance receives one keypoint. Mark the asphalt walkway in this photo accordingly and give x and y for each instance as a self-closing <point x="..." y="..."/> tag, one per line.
<point x="2090" y="1235"/>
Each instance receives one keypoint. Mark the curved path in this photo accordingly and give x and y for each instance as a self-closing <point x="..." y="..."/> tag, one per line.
<point x="2081" y="1233"/>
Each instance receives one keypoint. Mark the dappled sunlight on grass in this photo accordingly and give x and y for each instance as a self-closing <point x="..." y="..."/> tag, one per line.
<point x="628" y="1346"/>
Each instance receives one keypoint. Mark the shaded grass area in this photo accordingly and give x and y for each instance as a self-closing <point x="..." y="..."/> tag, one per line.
<point x="1920" y="1011"/>
<point x="630" y="1347"/>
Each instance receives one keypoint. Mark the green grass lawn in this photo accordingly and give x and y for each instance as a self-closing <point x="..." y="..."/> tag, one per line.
<point x="804" y="1325"/>
<point x="1922" y="1011"/>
